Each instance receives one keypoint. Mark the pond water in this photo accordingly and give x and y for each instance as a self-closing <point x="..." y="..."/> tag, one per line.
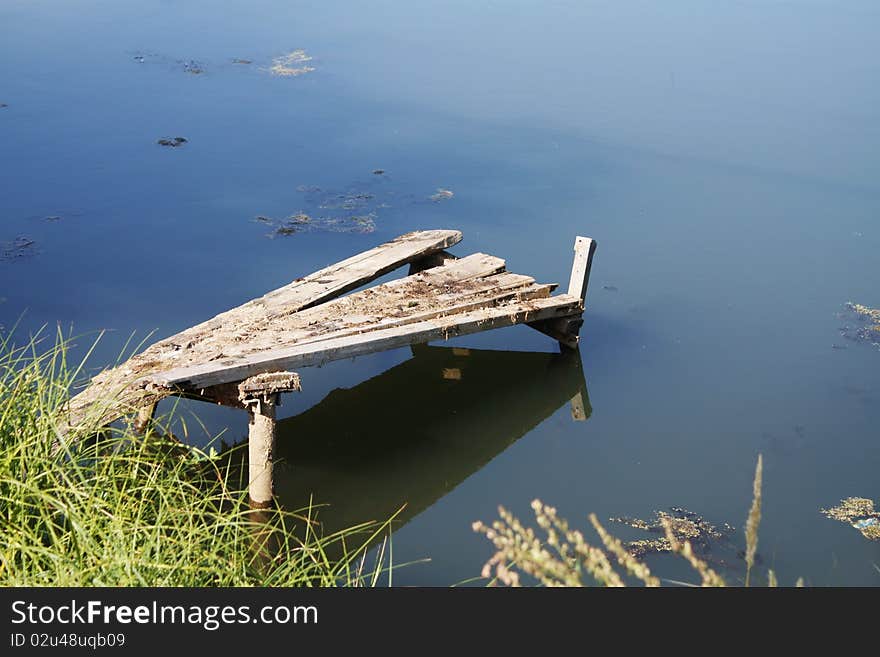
<point x="724" y="156"/>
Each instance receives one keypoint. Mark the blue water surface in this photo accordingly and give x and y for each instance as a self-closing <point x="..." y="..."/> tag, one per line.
<point x="725" y="156"/>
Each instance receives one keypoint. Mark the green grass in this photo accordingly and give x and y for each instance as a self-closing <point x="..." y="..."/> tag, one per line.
<point x="118" y="509"/>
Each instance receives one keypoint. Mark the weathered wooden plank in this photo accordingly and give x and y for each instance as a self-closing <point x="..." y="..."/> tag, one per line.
<point x="237" y="369"/>
<point x="504" y="290"/>
<point x="584" y="248"/>
<point x="335" y="280"/>
<point x="255" y="329"/>
<point x="472" y="267"/>
<point x="462" y="296"/>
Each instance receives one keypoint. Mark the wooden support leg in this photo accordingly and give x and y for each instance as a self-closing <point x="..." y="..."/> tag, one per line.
<point x="144" y="417"/>
<point x="261" y="449"/>
<point x="566" y="329"/>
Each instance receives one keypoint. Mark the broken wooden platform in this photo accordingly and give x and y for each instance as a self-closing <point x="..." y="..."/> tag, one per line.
<point x="246" y="357"/>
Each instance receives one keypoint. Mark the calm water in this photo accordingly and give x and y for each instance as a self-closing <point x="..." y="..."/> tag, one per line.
<point x="726" y="158"/>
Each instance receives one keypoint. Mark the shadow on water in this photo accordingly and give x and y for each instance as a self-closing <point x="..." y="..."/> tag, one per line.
<point x="410" y="435"/>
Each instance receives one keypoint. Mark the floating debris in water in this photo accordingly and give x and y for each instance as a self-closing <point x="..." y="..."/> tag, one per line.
<point x="871" y="314"/>
<point x="686" y="526"/>
<point x="2" y="105"/>
<point x="442" y="195"/>
<point x="173" y="142"/>
<point x="868" y="328"/>
<point x="54" y="215"/>
<point x="291" y="64"/>
<point x="858" y="512"/>
<point x="303" y="223"/>
<point x="354" y="209"/>
<point x="192" y="66"/>
<point x="347" y="201"/>
<point x="610" y="288"/>
<point x="20" y="247"/>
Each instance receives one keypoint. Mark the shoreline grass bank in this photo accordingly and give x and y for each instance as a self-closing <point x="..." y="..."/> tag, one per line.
<point x="119" y="509"/>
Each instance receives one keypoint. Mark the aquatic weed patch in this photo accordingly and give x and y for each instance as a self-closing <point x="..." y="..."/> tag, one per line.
<point x="17" y="249"/>
<point x="864" y="324"/>
<point x="858" y="512"/>
<point x="303" y="223"/>
<point x="354" y="209"/>
<point x="291" y="64"/>
<point x="685" y="526"/>
<point x="558" y="555"/>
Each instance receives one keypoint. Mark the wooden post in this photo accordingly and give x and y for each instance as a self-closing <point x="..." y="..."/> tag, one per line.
<point x="144" y="417"/>
<point x="566" y="329"/>
<point x="261" y="449"/>
<point x="584" y="248"/>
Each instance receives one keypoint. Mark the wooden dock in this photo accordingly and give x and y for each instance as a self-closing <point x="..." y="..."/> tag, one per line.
<point x="246" y="357"/>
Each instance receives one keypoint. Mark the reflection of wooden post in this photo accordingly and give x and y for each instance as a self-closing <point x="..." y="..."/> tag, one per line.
<point x="578" y="412"/>
<point x="580" y="402"/>
<point x="261" y="448"/>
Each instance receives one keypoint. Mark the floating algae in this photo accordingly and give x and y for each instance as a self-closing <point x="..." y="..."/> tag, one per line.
<point x="303" y="223"/>
<point x="291" y="64"/>
<point x="55" y="215"/>
<point x="867" y="328"/>
<point x="686" y="526"/>
<point x="347" y="201"/>
<point x="442" y="195"/>
<point x="353" y="209"/>
<point x="858" y="512"/>
<point x="173" y="142"/>
<point x="20" y="247"/>
<point x="191" y="66"/>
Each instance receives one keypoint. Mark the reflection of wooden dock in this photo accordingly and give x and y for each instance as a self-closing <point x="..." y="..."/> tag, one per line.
<point x="367" y="465"/>
<point x="246" y="356"/>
